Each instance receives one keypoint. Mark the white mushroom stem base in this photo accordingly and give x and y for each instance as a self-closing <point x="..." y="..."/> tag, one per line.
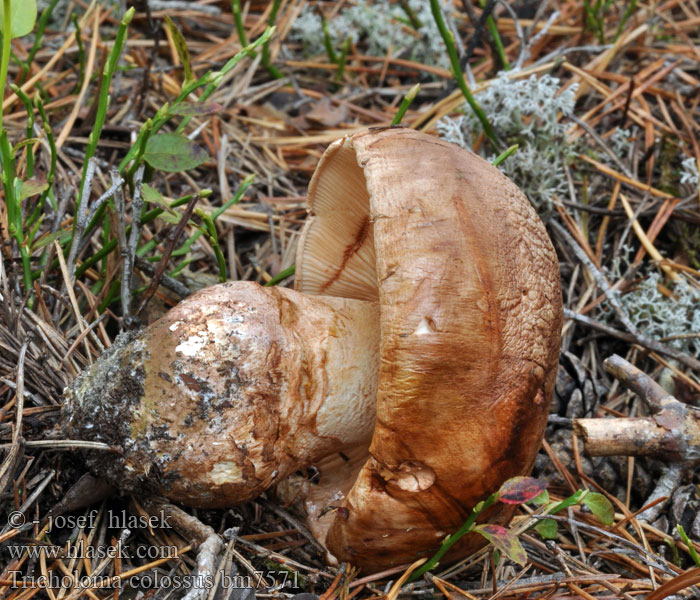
<point x="230" y="392"/>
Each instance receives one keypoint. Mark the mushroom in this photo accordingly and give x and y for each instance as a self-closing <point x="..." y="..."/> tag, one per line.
<point x="427" y="290"/>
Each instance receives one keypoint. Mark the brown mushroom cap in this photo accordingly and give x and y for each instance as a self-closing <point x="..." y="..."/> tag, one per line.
<point x="470" y="316"/>
<point x="411" y="240"/>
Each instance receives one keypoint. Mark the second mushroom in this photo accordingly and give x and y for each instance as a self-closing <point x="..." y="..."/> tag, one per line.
<point x="412" y="365"/>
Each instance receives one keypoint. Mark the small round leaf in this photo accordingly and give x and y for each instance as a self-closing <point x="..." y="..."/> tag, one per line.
<point x="22" y="17"/>
<point x="547" y="528"/>
<point x="173" y="153"/>
<point x="600" y="506"/>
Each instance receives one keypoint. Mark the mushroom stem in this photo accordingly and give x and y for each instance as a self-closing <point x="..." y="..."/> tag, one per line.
<point x="267" y="380"/>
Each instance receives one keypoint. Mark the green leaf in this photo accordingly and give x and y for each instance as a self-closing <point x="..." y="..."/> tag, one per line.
<point x="49" y="238"/>
<point x="542" y="499"/>
<point x="32" y="187"/>
<point x="153" y="196"/>
<point x="547" y="528"/>
<point x="173" y="153"/>
<point x="504" y="541"/>
<point x="519" y="490"/>
<point x="195" y="109"/>
<point x="22" y="17"/>
<point x="600" y="506"/>
<point x="181" y="48"/>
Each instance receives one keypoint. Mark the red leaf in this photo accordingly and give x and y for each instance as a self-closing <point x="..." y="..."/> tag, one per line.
<point x="519" y="490"/>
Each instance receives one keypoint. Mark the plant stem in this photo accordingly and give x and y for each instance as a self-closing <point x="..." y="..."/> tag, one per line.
<point x="209" y="230"/>
<point x="289" y="271"/>
<point x="211" y="83"/>
<point x="240" y="29"/>
<point x="38" y="37"/>
<point x="691" y="549"/>
<point x="457" y="73"/>
<point x="505" y="154"/>
<point x="451" y="540"/>
<point x="566" y="503"/>
<point x="5" y="61"/>
<point x="103" y="101"/>
<point x="274" y="71"/>
<point x="328" y="43"/>
<point x="245" y="184"/>
<point x="412" y="17"/>
<point x="343" y="59"/>
<point x="405" y="103"/>
<point x="493" y="30"/>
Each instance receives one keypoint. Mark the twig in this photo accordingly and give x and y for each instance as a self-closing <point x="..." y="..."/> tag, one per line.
<point x="174" y="236"/>
<point x="165" y="280"/>
<point x="681" y="357"/>
<point x="667" y="483"/>
<point x="125" y="283"/>
<point x="599" y="278"/>
<point x="81" y="219"/>
<point x="188" y="5"/>
<point x="559" y="52"/>
<point x="542" y="32"/>
<point x="650" y="559"/>
<point x="16" y="447"/>
<point x="672" y="433"/>
<point x="209" y="544"/>
<point x="131" y="245"/>
<point x="97" y="204"/>
<point x="518" y="32"/>
<point x="637" y="381"/>
<point x="479" y="24"/>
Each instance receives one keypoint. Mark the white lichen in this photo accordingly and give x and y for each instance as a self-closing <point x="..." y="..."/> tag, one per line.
<point x="675" y="319"/>
<point x="381" y="25"/>
<point x="689" y="172"/>
<point x="661" y="317"/>
<point x="620" y="143"/>
<point x="526" y="112"/>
